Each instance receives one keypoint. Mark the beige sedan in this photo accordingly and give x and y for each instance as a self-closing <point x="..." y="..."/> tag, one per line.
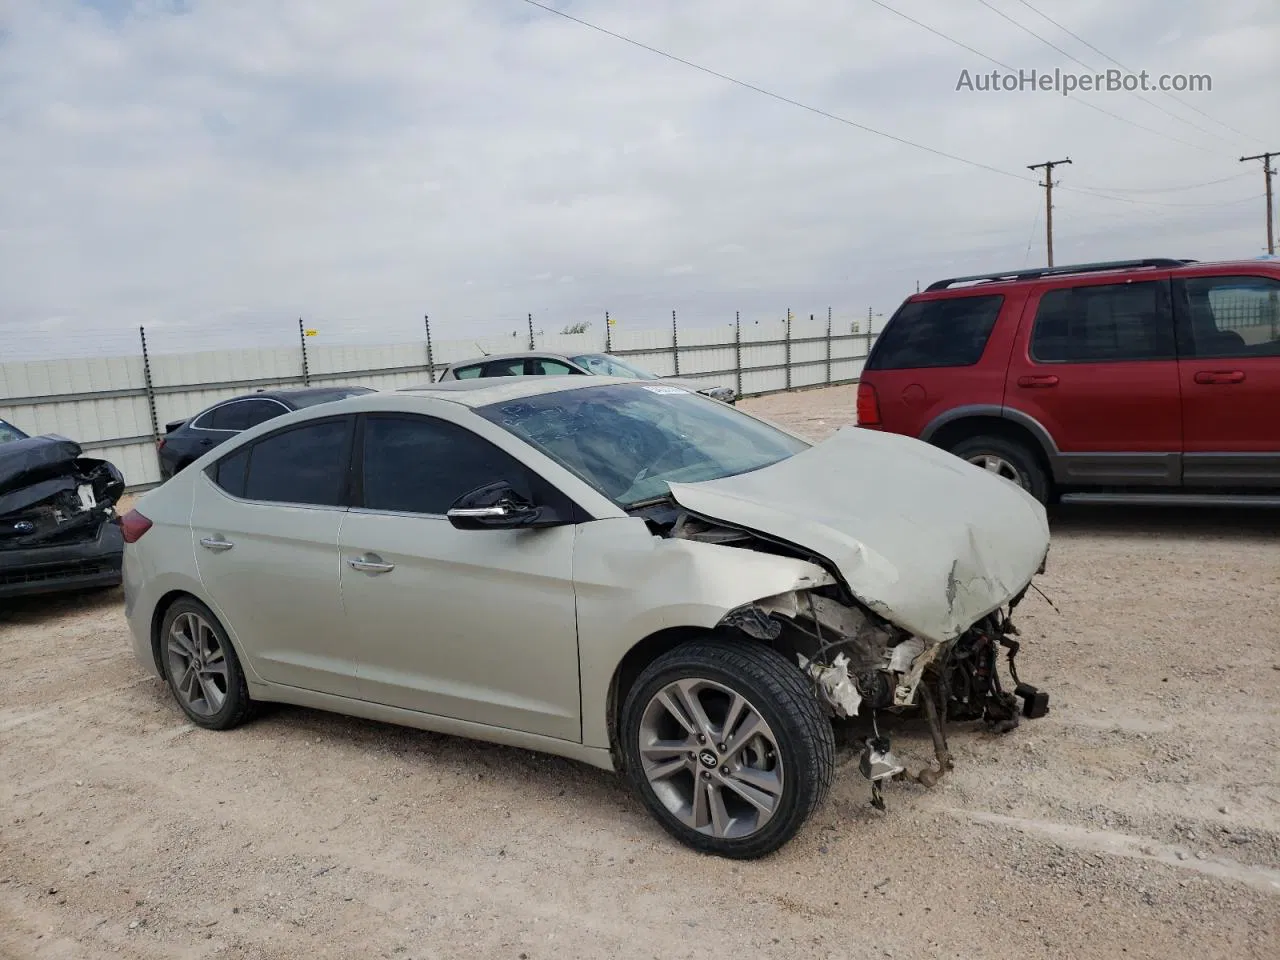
<point x="620" y="572"/>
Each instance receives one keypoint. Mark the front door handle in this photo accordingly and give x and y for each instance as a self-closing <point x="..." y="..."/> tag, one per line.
<point x="1048" y="380"/>
<point x="370" y="565"/>
<point x="216" y="544"/>
<point x="1220" y="376"/>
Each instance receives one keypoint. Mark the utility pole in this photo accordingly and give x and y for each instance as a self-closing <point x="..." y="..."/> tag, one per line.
<point x="1047" y="167"/>
<point x="1267" y="174"/>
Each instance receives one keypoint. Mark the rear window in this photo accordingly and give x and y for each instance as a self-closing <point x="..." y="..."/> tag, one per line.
<point x="936" y="333"/>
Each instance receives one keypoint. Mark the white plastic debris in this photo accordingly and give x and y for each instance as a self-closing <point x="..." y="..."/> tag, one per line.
<point x="837" y="687"/>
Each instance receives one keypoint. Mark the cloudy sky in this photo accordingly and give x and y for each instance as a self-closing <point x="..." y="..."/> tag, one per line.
<point x="216" y="168"/>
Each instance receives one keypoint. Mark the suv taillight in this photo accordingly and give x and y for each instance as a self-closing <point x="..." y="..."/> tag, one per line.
<point x="868" y="406"/>
<point x="133" y="525"/>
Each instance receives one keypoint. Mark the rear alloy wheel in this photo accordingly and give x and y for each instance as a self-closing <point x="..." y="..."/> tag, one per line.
<point x="1006" y="458"/>
<point x="728" y="746"/>
<point x="201" y="667"/>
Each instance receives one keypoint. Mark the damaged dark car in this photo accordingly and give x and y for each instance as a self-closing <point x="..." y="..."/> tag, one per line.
<point x="58" y="525"/>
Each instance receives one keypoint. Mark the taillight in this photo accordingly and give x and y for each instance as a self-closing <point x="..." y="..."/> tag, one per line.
<point x="868" y="406"/>
<point x="133" y="525"/>
<point x="159" y="444"/>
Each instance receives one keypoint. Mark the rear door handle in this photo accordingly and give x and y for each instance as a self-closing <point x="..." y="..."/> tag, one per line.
<point x="1220" y="376"/>
<point x="365" y="565"/>
<point x="216" y="544"/>
<point x="1048" y="380"/>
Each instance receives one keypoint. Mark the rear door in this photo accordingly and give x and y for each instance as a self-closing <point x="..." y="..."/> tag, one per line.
<point x="265" y="522"/>
<point x="1229" y="345"/>
<point x="1095" y="364"/>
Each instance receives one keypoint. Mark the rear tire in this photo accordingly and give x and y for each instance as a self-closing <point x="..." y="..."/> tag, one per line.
<point x="201" y="667"/>
<point x="727" y="746"/>
<point x="1010" y="459"/>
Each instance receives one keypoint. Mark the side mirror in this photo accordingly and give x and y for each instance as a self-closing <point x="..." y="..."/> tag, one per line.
<point x="495" y="506"/>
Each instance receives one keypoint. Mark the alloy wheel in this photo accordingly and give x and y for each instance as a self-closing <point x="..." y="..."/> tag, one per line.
<point x="711" y="758"/>
<point x="999" y="466"/>
<point x="197" y="664"/>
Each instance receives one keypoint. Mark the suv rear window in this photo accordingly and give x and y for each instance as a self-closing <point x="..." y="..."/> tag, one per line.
<point x="951" y="332"/>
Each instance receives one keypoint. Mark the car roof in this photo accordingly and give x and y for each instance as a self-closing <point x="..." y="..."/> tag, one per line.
<point x="297" y="393"/>
<point x="979" y="284"/>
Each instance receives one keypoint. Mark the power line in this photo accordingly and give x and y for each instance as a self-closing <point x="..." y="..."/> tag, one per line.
<point x="1075" y="59"/>
<point x="1177" y="189"/>
<point x="1001" y="63"/>
<point x="777" y="96"/>
<point x="1107" y="56"/>
<point x="839" y="119"/>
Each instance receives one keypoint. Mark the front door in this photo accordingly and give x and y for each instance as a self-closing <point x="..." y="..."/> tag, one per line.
<point x="475" y="625"/>
<point x="265" y="526"/>
<point x="1229" y="345"/>
<point x="1095" y="364"/>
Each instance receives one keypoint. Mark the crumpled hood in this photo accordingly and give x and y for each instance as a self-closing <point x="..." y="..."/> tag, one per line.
<point x="931" y="543"/>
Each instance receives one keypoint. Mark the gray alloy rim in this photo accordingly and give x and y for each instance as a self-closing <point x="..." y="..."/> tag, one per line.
<point x="998" y="465"/>
<point x="711" y="758"/>
<point x="197" y="664"/>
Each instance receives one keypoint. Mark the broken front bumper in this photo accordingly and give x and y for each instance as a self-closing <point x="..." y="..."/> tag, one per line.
<point x="79" y="565"/>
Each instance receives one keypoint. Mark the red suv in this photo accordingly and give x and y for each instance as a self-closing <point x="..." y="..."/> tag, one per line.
<point x="1142" y="380"/>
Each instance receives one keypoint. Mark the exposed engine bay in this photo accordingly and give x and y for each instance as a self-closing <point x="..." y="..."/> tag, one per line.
<point x="861" y="663"/>
<point x="51" y="495"/>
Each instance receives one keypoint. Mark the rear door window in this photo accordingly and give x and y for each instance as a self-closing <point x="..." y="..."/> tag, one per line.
<point x="260" y="411"/>
<point x="1110" y="323"/>
<point x="951" y="332"/>
<point x="505" y="368"/>
<point x="306" y="464"/>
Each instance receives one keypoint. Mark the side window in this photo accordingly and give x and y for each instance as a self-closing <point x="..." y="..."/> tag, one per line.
<point x="229" y="416"/>
<point x="206" y="420"/>
<point x="467" y="373"/>
<point x="303" y="464"/>
<point x="1230" y="316"/>
<point x="259" y="411"/>
<point x="936" y="333"/>
<point x="422" y="465"/>
<point x="1100" y="324"/>
<point x="505" y="368"/>
<point x="551" y="368"/>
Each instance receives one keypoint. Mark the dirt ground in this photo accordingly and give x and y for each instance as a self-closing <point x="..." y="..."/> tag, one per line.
<point x="1141" y="818"/>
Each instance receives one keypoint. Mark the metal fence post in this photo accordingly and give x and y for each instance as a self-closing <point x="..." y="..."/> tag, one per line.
<point x="531" y="344"/>
<point x="737" y="348"/>
<point x="866" y="349"/>
<point x="608" y="337"/>
<point x="151" y="392"/>
<point x="675" y="343"/>
<point x="302" y="340"/>
<point x="828" y="346"/>
<point x="431" y="360"/>
<point x="787" y="344"/>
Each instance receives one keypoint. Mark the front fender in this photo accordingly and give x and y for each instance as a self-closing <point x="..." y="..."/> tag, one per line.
<point x="631" y="584"/>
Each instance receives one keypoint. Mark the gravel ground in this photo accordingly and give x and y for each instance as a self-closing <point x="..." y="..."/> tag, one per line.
<point x="1141" y="818"/>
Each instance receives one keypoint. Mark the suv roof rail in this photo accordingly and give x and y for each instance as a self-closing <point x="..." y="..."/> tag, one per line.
<point x="1056" y="271"/>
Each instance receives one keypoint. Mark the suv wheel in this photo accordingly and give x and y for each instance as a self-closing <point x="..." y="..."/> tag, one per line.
<point x="1008" y="458"/>
<point x="728" y="746"/>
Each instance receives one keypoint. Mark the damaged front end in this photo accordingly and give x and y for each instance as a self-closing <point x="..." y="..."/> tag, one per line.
<point x="58" y="526"/>
<point x="862" y="663"/>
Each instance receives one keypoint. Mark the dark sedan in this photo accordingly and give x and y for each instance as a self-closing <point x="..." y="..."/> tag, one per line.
<point x="185" y="441"/>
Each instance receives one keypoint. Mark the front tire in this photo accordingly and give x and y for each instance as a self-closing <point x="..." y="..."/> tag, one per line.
<point x="1007" y="458"/>
<point x="201" y="667"/>
<point x="727" y="746"/>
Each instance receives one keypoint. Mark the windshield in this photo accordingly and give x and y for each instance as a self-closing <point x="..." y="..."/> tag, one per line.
<point x="630" y="440"/>
<point x="605" y="365"/>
